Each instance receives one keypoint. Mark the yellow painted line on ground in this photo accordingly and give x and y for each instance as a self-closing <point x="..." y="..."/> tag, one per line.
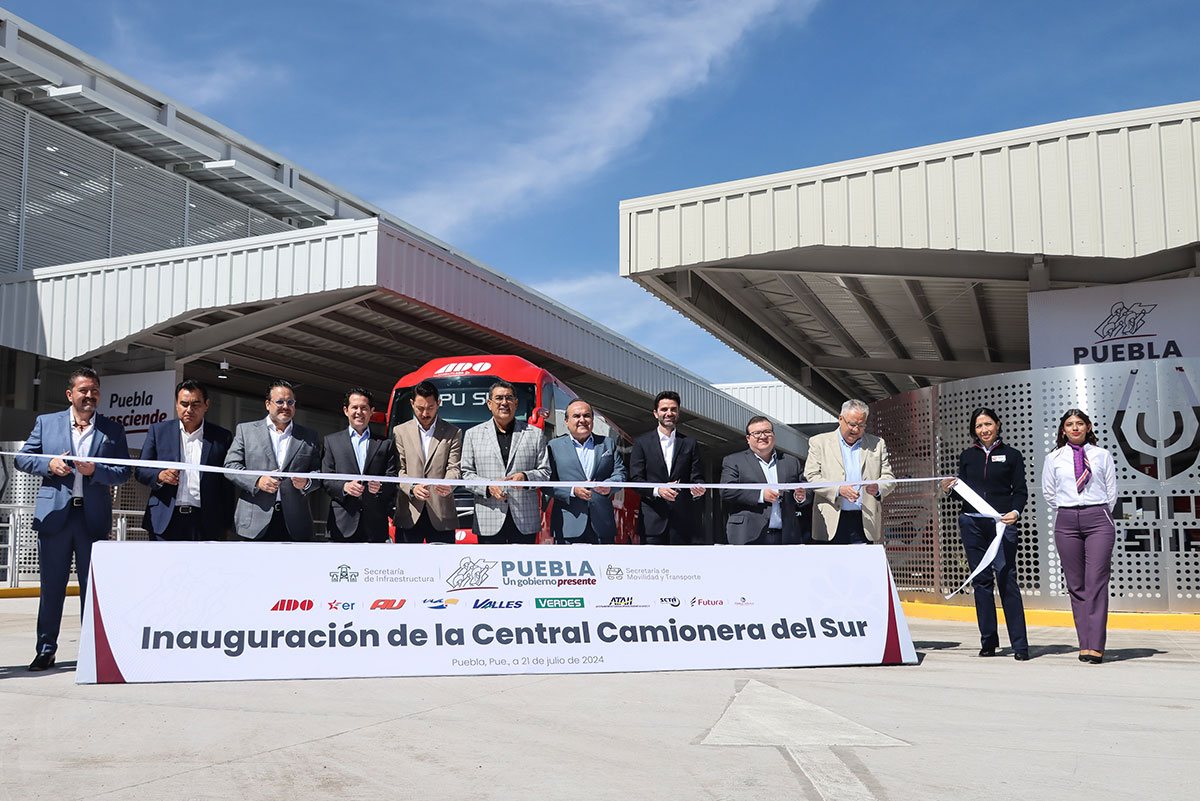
<point x="31" y="592"/>
<point x="1153" y="621"/>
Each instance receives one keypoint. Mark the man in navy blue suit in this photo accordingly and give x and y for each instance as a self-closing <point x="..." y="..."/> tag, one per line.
<point x="582" y="515"/>
<point x="74" y="503"/>
<point x="187" y="505"/>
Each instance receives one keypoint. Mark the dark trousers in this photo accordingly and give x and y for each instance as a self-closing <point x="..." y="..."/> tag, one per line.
<point x="977" y="534"/>
<point x="509" y="534"/>
<point x="276" y="531"/>
<point x="183" y="528"/>
<point x="673" y="534"/>
<point x="1085" y="538"/>
<point x="588" y="537"/>
<point x="423" y="531"/>
<point x="769" y="536"/>
<point x="54" y="557"/>
<point x="849" y="529"/>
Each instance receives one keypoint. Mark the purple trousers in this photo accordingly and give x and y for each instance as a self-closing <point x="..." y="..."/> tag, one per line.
<point x="1085" y="538"/>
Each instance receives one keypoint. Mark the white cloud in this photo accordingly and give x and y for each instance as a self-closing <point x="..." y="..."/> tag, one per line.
<point x="634" y="313"/>
<point x="661" y="52"/>
<point x="203" y="83"/>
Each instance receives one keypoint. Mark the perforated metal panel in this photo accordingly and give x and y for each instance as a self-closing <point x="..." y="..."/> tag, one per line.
<point x="1146" y="414"/>
<point x="66" y="197"/>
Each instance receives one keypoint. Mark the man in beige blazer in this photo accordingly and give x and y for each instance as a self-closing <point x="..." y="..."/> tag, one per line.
<point x="853" y="512"/>
<point x="430" y="448"/>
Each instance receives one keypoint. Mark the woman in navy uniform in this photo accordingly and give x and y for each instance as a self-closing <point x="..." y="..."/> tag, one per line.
<point x="997" y="474"/>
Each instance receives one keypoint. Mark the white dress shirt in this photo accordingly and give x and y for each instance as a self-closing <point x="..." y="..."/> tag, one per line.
<point x="81" y="445"/>
<point x="426" y="436"/>
<point x="1058" y="479"/>
<point x="190" y="448"/>
<point x="279" y="442"/>
<point x="667" y="443"/>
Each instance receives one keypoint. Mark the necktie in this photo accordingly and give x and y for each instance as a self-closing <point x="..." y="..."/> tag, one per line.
<point x="1083" y="469"/>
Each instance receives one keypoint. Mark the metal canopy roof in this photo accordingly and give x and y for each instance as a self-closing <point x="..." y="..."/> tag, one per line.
<point x="355" y="302"/>
<point x="871" y="277"/>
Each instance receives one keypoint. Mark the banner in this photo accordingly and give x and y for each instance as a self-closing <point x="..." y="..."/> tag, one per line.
<point x="222" y="611"/>
<point x="138" y="401"/>
<point x="1121" y="323"/>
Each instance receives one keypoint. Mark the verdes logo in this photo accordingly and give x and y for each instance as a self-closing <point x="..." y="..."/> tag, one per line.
<point x="292" y="605"/>
<point x="440" y="603"/>
<point x="343" y="573"/>
<point x="671" y="601"/>
<point x="463" y="367"/>
<point x="707" y="602"/>
<point x="471" y="574"/>
<point x="388" y="603"/>
<point x="558" y="603"/>
<point x="491" y="603"/>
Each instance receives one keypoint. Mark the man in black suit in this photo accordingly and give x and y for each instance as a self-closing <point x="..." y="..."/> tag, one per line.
<point x="669" y="516"/>
<point x="187" y="505"/>
<point x="766" y="516"/>
<point x="359" y="509"/>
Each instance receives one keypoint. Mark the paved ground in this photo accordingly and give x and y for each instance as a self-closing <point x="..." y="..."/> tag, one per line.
<point x="954" y="727"/>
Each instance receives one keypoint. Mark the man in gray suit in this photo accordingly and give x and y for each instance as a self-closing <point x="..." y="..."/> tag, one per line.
<point x="270" y="509"/>
<point x="766" y="516"/>
<point x="580" y="514"/>
<point x="507" y="449"/>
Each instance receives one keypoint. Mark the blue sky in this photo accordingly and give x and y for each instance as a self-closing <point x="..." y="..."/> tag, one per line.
<point x="513" y="128"/>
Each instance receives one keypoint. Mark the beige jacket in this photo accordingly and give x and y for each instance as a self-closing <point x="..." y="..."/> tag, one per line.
<point x="445" y="453"/>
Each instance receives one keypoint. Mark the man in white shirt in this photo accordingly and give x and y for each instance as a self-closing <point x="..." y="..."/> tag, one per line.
<point x="269" y="508"/>
<point x="669" y="515"/>
<point x="187" y="505"/>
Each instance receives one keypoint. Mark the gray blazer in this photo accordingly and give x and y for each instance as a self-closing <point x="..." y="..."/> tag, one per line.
<point x="251" y="450"/>
<point x="570" y="515"/>
<point x="481" y="461"/>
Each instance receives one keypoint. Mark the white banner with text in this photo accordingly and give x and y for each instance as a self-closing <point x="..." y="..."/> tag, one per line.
<point x="218" y="611"/>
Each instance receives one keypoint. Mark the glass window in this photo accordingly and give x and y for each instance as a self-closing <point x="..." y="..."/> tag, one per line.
<point x="462" y="400"/>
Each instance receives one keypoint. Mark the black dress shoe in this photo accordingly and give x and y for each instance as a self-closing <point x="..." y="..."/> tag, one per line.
<point x="1021" y="656"/>
<point x="1092" y="659"/>
<point x="42" y="662"/>
<point x="987" y="651"/>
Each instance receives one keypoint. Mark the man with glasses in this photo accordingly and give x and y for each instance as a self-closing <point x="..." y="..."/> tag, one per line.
<point x="761" y="516"/>
<point x="271" y="509"/>
<point x="506" y="449"/>
<point x="188" y="505"/>
<point x="851" y="513"/>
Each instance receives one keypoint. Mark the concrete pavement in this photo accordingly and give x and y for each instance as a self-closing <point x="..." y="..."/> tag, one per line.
<point x="954" y="727"/>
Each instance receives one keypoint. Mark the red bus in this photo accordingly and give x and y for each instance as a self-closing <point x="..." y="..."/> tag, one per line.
<point x="462" y="384"/>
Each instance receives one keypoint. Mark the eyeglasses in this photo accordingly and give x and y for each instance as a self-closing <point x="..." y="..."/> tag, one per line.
<point x="761" y="434"/>
<point x="855" y="426"/>
<point x="504" y="399"/>
<point x="282" y="403"/>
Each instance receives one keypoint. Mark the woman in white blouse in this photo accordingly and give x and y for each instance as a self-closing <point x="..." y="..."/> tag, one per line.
<point x="1079" y="483"/>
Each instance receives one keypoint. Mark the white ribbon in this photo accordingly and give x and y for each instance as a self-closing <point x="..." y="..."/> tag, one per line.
<point x="983" y="507"/>
<point x="205" y="468"/>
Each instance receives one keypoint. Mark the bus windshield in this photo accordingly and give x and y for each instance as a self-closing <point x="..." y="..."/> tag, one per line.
<point x="462" y="400"/>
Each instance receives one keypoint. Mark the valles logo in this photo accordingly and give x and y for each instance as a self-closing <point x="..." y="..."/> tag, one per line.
<point x="491" y="603"/>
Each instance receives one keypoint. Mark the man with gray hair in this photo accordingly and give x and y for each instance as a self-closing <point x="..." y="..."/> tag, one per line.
<point x="852" y="512"/>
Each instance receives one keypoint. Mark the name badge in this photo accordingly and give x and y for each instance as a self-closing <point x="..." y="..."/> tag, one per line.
<point x="998" y="457"/>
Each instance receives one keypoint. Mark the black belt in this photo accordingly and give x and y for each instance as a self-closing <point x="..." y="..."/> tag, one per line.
<point x="76" y="501"/>
<point x="187" y="510"/>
